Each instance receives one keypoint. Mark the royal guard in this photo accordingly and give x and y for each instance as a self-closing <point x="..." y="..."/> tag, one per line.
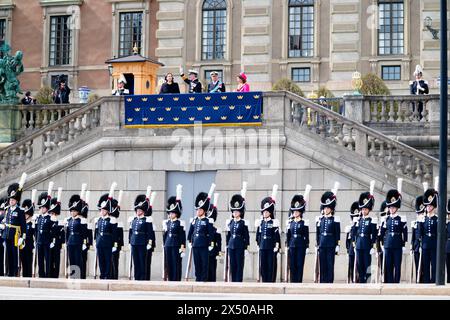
<point x="76" y="230"/>
<point x="192" y="81"/>
<point x="3" y="207"/>
<point x="215" y="251"/>
<point x="237" y="238"/>
<point x="118" y="244"/>
<point x="14" y="227"/>
<point x="201" y="235"/>
<point x="447" y="248"/>
<point x="416" y="247"/>
<point x="328" y="231"/>
<point x="141" y="234"/>
<point x="428" y="234"/>
<point x="395" y="234"/>
<point x="151" y="249"/>
<point x="365" y="234"/>
<point x="43" y="229"/>
<point x="383" y="213"/>
<point x="88" y="240"/>
<point x="417" y="87"/>
<point x="26" y="252"/>
<point x="58" y="235"/>
<point x="297" y="235"/>
<point x="349" y="243"/>
<point x="268" y="238"/>
<point x="105" y="233"/>
<point x="174" y="238"/>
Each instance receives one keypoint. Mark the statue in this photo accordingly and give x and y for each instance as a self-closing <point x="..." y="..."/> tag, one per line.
<point x="10" y="68"/>
<point x="357" y="83"/>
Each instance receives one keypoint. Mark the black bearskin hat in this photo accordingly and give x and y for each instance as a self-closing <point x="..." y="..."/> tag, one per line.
<point x="267" y="204"/>
<point x="430" y="198"/>
<point x="44" y="200"/>
<point x="237" y="203"/>
<point x="105" y="203"/>
<point x="328" y="199"/>
<point x="298" y="203"/>
<point x="366" y="200"/>
<point x="202" y="201"/>
<point x="383" y="208"/>
<point x="55" y="206"/>
<point x="28" y="207"/>
<point x="420" y="208"/>
<point x="115" y="208"/>
<point x="75" y="203"/>
<point x="354" y="210"/>
<point x="393" y="199"/>
<point x="142" y="203"/>
<point x="14" y="192"/>
<point x="174" y="205"/>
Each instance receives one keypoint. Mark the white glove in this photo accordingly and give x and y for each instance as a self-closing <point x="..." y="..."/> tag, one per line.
<point x="19" y="243"/>
<point x="337" y="249"/>
<point x="382" y="249"/>
<point x="114" y="249"/>
<point x="52" y="245"/>
<point x="307" y="251"/>
<point x="182" y="254"/>
<point x="403" y="250"/>
<point x="246" y="253"/>
<point x="372" y="251"/>
<point x="149" y="246"/>
<point x="190" y="245"/>
<point x="210" y="248"/>
<point x="275" y="249"/>
<point x="2" y="226"/>
<point x="181" y="70"/>
<point x="84" y="247"/>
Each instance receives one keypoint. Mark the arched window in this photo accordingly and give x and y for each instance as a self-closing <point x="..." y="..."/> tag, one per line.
<point x="301" y="28"/>
<point x="214" y="27"/>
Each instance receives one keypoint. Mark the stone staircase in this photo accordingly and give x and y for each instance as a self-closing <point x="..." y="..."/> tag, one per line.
<point x="314" y="145"/>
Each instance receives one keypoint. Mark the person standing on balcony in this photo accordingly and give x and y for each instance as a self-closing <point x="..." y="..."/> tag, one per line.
<point x="169" y="86"/>
<point x="192" y="81"/>
<point x="419" y="86"/>
<point x="243" y="86"/>
<point x="28" y="99"/>
<point x="62" y="93"/>
<point x="216" y="85"/>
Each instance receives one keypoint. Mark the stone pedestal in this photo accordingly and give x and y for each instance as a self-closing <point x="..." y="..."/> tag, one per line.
<point x="9" y="123"/>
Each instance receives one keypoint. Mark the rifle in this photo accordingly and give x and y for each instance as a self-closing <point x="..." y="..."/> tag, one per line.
<point x="355" y="268"/>
<point x="66" y="258"/>
<point x="18" y="261"/>
<point x="286" y="267"/>
<point x="383" y="268"/>
<point x="411" y="275"/>
<point x="225" y="267"/>
<point x="96" y="263"/>
<point x="131" y="264"/>
<point x="316" y="266"/>
<point x="420" y="266"/>
<point x="377" y="277"/>
<point x="259" y="267"/>
<point x="33" y="272"/>
<point x="164" y="274"/>
<point x="189" y="265"/>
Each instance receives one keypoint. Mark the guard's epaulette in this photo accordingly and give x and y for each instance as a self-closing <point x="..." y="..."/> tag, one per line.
<point x="306" y="223"/>
<point x="403" y="218"/>
<point x="375" y="220"/>
<point x="218" y="230"/>
<point x="258" y="222"/>
<point x="337" y="219"/>
<point x="96" y="220"/>
<point x="211" y="220"/>
<point x="425" y="81"/>
<point x="191" y="221"/>
<point x="411" y="83"/>
<point x="355" y="220"/>
<point x="245" y="222"/>
<point x="317" y="219"/>
<point x="413" y="224"/>
<point x="347" y="229"/>
<point x="164" y="224"/>
<point x="120" y="225"/>
<point x="113" y="220"/>
<point x="130" y="219"/>
<point x="227" y="224"/>
<point x="90" y="226"/>
<point x="83" y="221"/>
<point x="382" y="220"/>
<point x="288" y="222"/>
<point x="276" y="222"/>
<point x="66" y="219"/>
<point x="182" y="223"/>
<point x="149" y="219"/>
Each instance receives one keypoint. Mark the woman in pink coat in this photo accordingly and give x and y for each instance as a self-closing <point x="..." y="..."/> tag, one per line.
<point x="242" y="83"/>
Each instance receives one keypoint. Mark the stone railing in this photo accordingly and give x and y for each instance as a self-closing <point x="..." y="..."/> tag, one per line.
<point x="356" y="137"/>
<point x="56" y="132"/>
<point x="35" y="117"/>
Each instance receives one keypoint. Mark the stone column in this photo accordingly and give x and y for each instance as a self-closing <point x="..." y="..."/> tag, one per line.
<point x="354" y="110"/>
<point x="10" y="123"/>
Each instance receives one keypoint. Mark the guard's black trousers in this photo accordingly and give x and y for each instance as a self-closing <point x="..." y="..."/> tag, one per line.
<point x="326" y="262"/>
<point x="296" y="263"/>
<point x="84" y="255"/>
<point x="104" y="255"/>
<point x="139" y="253"/>
<point x="44" y="260"/>
<point x="267" y="266"/>
<point x="148" y="264"/>
<point x="115" y="265"/>
<point x="351" y="267"/>
<point x="363" y="264"/>
<point x="237" y="258"/>
<point x="212" y="269"/>
<point x="173" y="263"/>
<point x="75" y="261"/>
<point x="26" y="257"/>
<point x="12" y="258"/>
<point x="429" y="265"/>
<point x="55" y="262"/>
<point x="200" y="255"/>
<point x="448" y="267"/>
<point x="393" y="266"/>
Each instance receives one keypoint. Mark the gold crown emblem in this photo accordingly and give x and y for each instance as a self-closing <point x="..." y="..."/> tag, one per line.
<point x="152" y="109"/>
<point x="232" y="107"/>
<point x="160" y="99"/>
<point x="129" y="99"/>
<point x="176" y="98"/>
<point x="223" y="117"/>
<point x="207" y="98"/>
<point x="328" y="201"/>
<point x="256" y="96"/>
<point x="207" y="118"/>
<point x="172" y="206"/>
<point x="176" y="119"/>
<point x="191" y="98"/>
<point x="145" y="119"/>
<point x="422" y="207"/>
<point x="183" y="108"/>
<point x="236" y="204"/>
<point x="393" y="199"/>
<point x="430" y="198"/>
<point x="240" y="117"/>
<point x="297" y="204"/>
<point x="240" y="97"/>
<point x="365" y="201"/>
<point x="168" y="108"/>
<point x="200" y="203"/>
<point x="224" y="97"/>
<point x="130" y="119"/>
<point x="256" y="117"/>
<point x="248" y="107"/>
<point x="144" y="99"/>
<point x="199" y="108"/>
<point x="266" y="205"/>
<point x="160" y="119"/>
<point x="137" y="109"/>
<point x="216" y="108"/>
<point x="191" y="118"/>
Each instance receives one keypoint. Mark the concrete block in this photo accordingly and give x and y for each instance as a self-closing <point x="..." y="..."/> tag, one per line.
<point x="75" y="179"/>
<point x="229" y="180"/>
<point x="15" y="282"/>
<point x="330" y="177"/>
<point x="156" y="179"/>
<point x="108" y="159"/>
<point x="160" y="286"/>
<point x="133" y="181"/>
<point x="295" y="161"/>
<point x="94" y="162"/>
<point x="102" y="180"/>
<point x="133" y="160"/>
<point x="257" y="181"/>
<point x="313" y="177"/>
<point x="289" y="180"/>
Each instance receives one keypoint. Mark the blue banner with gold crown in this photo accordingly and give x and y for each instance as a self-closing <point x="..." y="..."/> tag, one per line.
<point x="184" y="110"/>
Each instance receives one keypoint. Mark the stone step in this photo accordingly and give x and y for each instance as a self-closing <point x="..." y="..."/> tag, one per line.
<point x="222" y="287"/>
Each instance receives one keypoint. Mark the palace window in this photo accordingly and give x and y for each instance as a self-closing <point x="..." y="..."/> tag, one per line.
<point x="130" y="33"/>
<point x="391" y="27"/>
<point x="391" y="72"/>
<point x="301" y="74"/>
<point x="301" y="28"/>
<point x="214" y="29"/>
<point x="60" y="41"/>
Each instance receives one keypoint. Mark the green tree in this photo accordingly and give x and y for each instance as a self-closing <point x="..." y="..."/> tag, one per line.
<point x="44" y="95"/>
<point x="374" y="85"/>
<point x="287" y="85"/>
<point x="323" y="91"/>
